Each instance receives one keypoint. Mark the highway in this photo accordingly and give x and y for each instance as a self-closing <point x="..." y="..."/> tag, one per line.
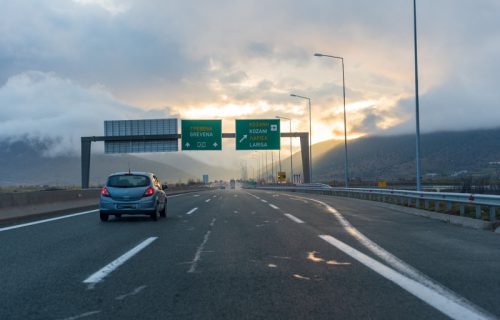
<point x="250" y="254"/>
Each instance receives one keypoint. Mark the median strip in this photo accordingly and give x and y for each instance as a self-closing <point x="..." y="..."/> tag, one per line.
<point x="105" y="271"/>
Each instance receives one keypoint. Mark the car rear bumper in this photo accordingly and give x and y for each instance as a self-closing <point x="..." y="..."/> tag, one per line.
<point x="110" y="206"/>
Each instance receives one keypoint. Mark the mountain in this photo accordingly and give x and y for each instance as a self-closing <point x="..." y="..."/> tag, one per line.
<point x="443" y="154"/>
<point x="393" y="157"/>
<point x="23" y="163"/>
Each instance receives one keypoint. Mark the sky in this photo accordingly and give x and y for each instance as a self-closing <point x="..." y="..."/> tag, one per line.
<point x="68" y="65"/>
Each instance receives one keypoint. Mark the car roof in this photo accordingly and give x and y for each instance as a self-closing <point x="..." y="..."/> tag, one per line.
<point x="132" y="172"/>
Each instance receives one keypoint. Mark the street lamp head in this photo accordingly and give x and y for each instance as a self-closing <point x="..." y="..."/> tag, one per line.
<point x="293" y="95"/>
<point x="318" y="55"/>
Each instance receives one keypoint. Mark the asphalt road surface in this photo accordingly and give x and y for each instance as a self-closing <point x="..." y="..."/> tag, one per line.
<point x="250" y="254"/>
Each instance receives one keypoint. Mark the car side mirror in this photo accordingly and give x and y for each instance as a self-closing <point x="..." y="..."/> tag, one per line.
<point x="164" y="186"/>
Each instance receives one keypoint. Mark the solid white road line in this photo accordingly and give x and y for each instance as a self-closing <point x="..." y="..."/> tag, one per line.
<point x="192" y="210"/>
<point x="447" y="305"/>
<point x="104" y="272"/>
<point x="398" y="264"/>
<point x="197" y="255"/>
<point x="263" y="200"/>
<point x="273" y="206"/>
<point x="253" y="195"/>
<point x="83" y="315"/>
<point x="208" y="200"/>
<point x="46" y="220"/>
<point x="293" y="218"/>
<point x="179" y="195"/>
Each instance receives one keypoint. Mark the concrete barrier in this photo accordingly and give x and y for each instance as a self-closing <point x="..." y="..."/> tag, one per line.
<point x="19" y="199"/>
<point x="21" y="205"/>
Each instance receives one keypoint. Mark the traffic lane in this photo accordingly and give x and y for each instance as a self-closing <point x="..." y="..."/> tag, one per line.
<point x="48" y="262"/>
<point x="130" y="291"/>
<point x="259" y="264"/>
<point x="461" y="259"/>
<point x="145" y="286"/>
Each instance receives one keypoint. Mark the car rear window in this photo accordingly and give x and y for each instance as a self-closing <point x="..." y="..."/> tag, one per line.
<point x="128" y="181"/>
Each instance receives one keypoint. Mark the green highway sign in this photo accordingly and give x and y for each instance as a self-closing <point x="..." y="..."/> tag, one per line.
<point x="201" y="134"/>
<point x="258" y="134"/>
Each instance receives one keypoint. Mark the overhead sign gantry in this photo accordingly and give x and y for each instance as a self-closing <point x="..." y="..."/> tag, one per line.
<point x="160" y="135"/>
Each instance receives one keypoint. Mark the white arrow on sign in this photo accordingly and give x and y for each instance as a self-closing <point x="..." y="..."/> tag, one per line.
<point x="215" y="144"/>
<point x="244" y="137"/>
<point x="187" y="145"/>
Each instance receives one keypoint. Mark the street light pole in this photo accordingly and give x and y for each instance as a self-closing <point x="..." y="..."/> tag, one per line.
<point x="272" y="166"/>
<point x="310" y="134"/>
<point x="346" y="162"/>
<point x="417" y="112"/>
<point x="291" y="147"/>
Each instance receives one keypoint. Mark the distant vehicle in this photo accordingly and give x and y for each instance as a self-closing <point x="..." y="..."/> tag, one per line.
<point x="232" y="183"/>
<point x="133" y="193"/>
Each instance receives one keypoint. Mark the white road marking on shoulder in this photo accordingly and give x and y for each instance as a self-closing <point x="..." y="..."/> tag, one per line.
<point x="273" y="206"/>
<point x="192" y="210"/>
<point x="197" y="255"/>
<point x="447" y="305"/>
<point x="208" y="200"/>
<point x="83" y="315"/>
<point x="196" y="195"/>
<point x="293" y="218"/>
<point x="105" y="271"/>
<point x="46" y="220"/>
<point x="263" y="200"/>
<point x="400" y="265"/>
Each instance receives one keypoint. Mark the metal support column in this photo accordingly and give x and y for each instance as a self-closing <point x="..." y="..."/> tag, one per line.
<point x="304" y="148"/>
<point x="85" y="156"/>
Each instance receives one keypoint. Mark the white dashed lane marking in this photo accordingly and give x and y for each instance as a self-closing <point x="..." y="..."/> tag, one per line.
<point x="105" y="271"/>
<point x="293" y="218"/>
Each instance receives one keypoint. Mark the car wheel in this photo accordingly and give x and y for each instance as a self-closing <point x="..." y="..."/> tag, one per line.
<point x="104" y="217"/>
<point x="154" y="215"/>
<point x="163" y="212"/>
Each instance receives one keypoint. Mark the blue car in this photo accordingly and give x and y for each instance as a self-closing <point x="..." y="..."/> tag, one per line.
<point x="133" y="193"/>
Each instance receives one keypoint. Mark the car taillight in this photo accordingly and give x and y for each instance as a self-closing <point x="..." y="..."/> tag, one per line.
<point x="104" y="192"/>
<point x="149" y="192"/>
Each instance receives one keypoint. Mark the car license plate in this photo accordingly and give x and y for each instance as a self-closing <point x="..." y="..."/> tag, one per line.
<point x="125" y="206"/>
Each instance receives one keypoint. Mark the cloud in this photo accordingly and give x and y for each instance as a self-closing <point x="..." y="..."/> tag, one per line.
<point x="43" y="107"/>
<point x="215" y="55"/>
<point x="113" y="7"/>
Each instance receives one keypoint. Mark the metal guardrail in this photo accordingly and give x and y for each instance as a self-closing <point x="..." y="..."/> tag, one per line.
<point x="408" y="198"/>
